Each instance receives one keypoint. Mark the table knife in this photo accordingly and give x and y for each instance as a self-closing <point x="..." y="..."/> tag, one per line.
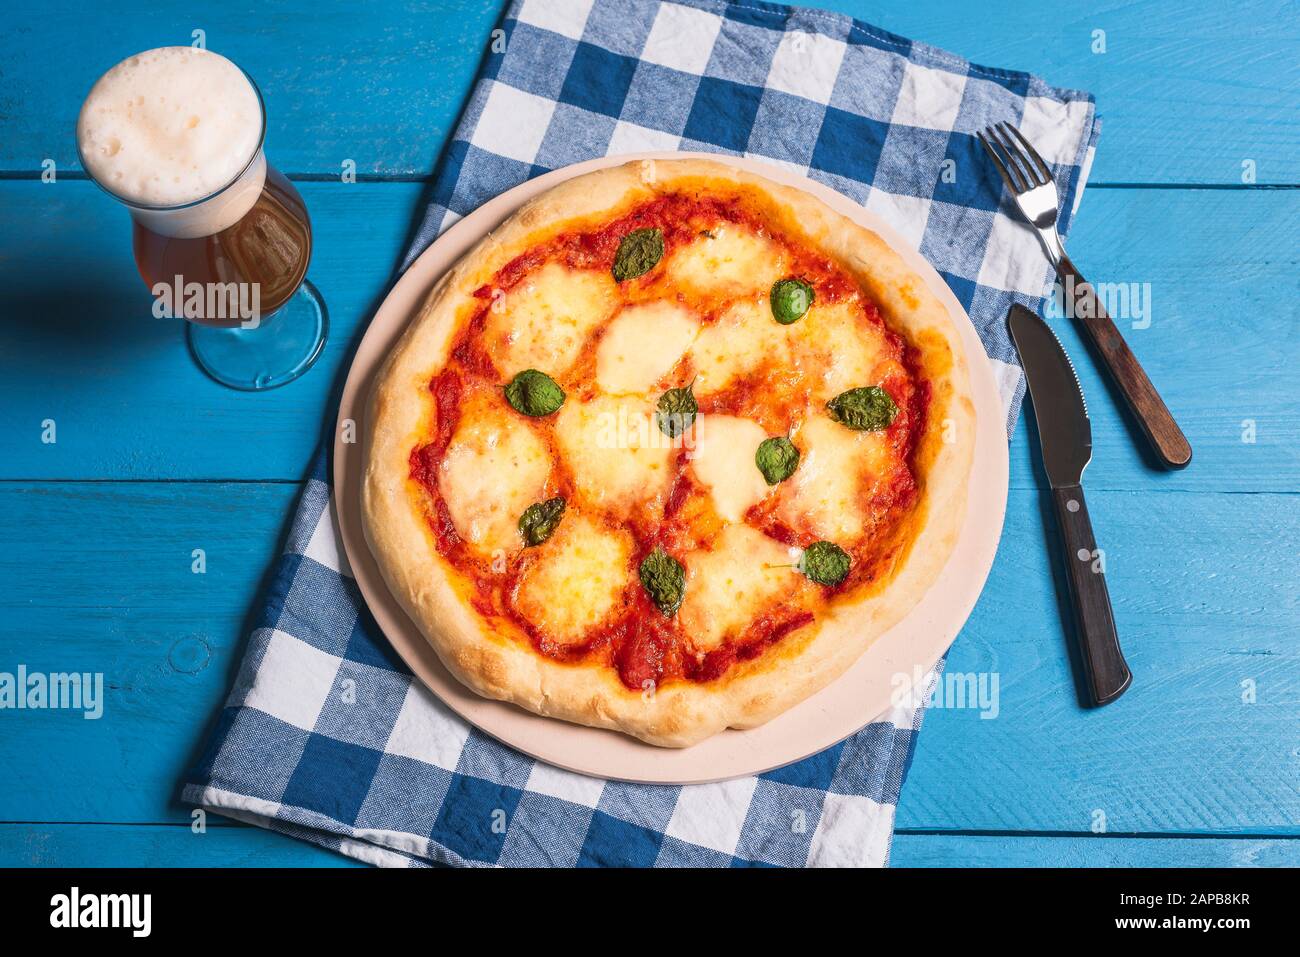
<point x="1065" y="435"/>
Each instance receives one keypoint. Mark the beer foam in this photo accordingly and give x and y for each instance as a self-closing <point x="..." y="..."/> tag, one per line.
<point x="169" y="126"/>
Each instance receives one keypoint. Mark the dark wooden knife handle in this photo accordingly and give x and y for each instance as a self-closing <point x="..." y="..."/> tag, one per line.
<point x="1105" y="669"/>
<point x="1149" y="410"/>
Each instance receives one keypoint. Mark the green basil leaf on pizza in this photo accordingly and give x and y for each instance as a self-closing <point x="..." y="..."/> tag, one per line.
<point x="776" y="458"/>
<point x="676" y="411"/>
<point x="540" y="520"/>
<point x="868" y="409"/>
<point x="825" y="563"/>
<point x="534" y="393"/>
<point x="638" y="253"/>
<point x="664" y="580"/>
<point x="791" y="299"/>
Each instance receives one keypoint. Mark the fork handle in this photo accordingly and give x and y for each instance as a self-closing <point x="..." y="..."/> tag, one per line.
<point x="1149" y="410"/>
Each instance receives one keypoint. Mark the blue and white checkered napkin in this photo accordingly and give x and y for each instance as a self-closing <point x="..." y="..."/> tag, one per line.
<point x="325" y="734"/>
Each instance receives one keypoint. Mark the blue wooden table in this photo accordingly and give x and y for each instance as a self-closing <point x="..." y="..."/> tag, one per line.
<point x="1194" y="191"/>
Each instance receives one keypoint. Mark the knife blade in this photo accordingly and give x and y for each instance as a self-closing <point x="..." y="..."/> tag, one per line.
<point x="1065" y="436"/>
<point x="1064" y="430"/>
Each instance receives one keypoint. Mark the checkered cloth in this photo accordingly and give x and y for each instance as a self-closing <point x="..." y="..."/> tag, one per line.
<point x="326" y="736"/>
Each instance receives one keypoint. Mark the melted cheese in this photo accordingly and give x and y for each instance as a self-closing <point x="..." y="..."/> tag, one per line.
<point x="838" y="349"/>
<point x="544" y="321"/>
<point x="642" y="345"/>
<point x="619" y="457"/>
<point x="494" y="468"/>
<point x="723" y="461"/>
<point x="728" y="261"/>
<point x="730" y="585"/>
<point x="741" y="340"/>
<point x="577" y="579"/>
<point x="829" y="493"/>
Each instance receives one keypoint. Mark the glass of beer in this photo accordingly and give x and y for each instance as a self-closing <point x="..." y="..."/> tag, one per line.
<point x="221" y="239"/>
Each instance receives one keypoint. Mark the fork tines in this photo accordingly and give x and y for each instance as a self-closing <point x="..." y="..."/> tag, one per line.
<point x="1022" y="169"/>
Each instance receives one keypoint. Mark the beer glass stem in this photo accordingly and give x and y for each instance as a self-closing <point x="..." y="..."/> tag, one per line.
<point x="274" y="351"/>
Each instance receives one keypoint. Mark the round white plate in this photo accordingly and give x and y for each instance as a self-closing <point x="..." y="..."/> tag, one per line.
<point x="860" y="695"/>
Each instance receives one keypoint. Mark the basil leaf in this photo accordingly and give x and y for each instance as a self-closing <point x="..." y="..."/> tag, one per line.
<point x="791" y="299"/>
<point x="777" y="459"/>
<point x="638" y="253"/>
<point x="540" y="520"/>
<point x="825" y="563"/>
<point x="534" y="393"/>
<point x="664" y="579"/>
<point x="676" y="411"/>
<point x="868" y="409"/>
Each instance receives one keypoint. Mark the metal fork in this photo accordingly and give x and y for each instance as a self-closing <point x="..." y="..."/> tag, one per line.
<point x="1029" y="180"/>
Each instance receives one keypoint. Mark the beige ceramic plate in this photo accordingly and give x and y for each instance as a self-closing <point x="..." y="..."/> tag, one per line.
<point x="863" y="693"/>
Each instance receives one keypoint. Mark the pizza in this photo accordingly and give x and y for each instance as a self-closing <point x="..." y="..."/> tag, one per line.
<point x="667" y="451"/>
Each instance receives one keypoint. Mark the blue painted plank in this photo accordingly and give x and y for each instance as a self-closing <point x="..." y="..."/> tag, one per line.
<point x="1206" y="604"/>
<point x="107" y="585"/>
<point x="129" y="403"/>
<point x="99" y="845"/>
<point x="928" y="850"/>
<point x="383" y="86"/>
<point x="1188" y="93"/>
<point x="98" y="578"/>
<point x="223" y="844"/>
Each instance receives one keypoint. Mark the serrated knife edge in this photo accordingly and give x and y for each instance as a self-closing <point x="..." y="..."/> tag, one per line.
<point x="1059" y="407"/>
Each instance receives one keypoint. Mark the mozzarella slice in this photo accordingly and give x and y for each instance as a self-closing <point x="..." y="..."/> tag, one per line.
<point x="723" y="461"/>
<point x="830" y="491"/>
<point x="642" y="344"/>
<point x="495" y="467"/>
<point x="544" y="322"/>
<point x="741" y="340"/>
<point x="730" y="585"/>
<point x="618" y="456"/>
<point x="577" y="579"/>
<point x="729" y="260"/>
<point x="838" y="349"/>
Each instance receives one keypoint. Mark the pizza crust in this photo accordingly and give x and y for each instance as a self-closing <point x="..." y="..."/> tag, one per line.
<point x="500" y="665"/>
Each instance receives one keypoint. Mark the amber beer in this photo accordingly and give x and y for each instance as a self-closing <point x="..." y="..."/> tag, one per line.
<point x="176" y="135"/>
<point x="269" y="247"/>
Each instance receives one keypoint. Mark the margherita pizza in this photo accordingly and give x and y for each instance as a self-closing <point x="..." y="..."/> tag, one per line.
<point x="667" y="451"/>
